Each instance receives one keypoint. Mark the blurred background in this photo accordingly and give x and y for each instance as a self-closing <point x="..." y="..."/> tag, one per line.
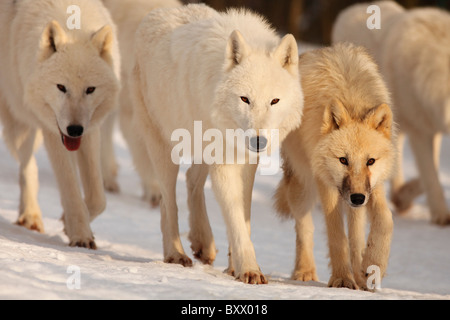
<point x="308" y="20"/>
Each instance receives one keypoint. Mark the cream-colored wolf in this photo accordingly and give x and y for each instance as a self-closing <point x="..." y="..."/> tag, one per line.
<point x="59" y="83"/>
<point x="343" y="152"/>
<point x="413" y="49"/>
<point x="229" y="71"/>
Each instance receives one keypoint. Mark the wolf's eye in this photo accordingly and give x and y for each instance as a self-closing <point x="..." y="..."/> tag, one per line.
<point x="275" y="101"/>
<point x="245" y="99"/>
<point x="61" y="88"/>
<point x="344" y="161"/>
<point x="90" y="90"/>
<point x="371" y="162"/>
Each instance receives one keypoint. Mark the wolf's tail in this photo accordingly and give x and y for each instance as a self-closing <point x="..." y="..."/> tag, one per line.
<point x="281" y="196"/>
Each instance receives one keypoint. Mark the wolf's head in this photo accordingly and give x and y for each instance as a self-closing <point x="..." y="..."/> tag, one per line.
<point x="260" y="90"/>
<point x="74" y="85"/>
<point x="355" y="155"/>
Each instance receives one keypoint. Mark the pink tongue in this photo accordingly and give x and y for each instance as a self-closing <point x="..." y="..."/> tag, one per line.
<point x="71" y="144"/>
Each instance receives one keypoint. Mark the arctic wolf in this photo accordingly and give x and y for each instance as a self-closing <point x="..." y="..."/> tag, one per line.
<point x="127" y="15"/>
<point x="343" y="152"/>
<point x="59" y="84"/>
<point x="412" y="49"/>
<point x="229" y="71"/>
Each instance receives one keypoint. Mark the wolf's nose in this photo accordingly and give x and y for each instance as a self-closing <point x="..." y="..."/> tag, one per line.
<point x="258" y="143"/>
<point x="358" y="199"/>
<point x="75" y="131"/>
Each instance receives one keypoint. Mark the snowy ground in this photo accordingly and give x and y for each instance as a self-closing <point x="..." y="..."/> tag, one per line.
<point x="128" y="263"/>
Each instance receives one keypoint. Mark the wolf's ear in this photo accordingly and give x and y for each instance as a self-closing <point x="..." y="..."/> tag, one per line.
<point x="381" y="119"/>
<point x="51" y="40"/>
<point x="287" y="54"/>
<point x="237" y="50"/>
<point x="335" y="117"/>
<point x="103" y="41"/>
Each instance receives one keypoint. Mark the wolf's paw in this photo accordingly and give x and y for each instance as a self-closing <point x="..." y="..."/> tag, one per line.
<point x="155" y="200"/>
<point x="301" y="275"/>
<point x="179" y="258"/>
<point x="86" y="243"/>
<point x="361" y="280"/>
<point x="404" y="197"/>
<point x="80" y="235"/>
<point x="95" y="207"/>
<point x="152" y="195"/>
<point x="205" y="255"/>
<point x="229" y="271"/>
<point x="441" y="220"/>
<point x="31" y="222"/>
<point x="252" y="277"/>
<point x="111" y="186"/>
<point x="343" y="282"/>
<point x="364" y="287"/>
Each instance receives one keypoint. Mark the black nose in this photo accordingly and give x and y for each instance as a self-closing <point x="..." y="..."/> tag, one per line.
<point x="258" y="144"/>
<point x="358" y="199"/>
<point x="75" y="131"/>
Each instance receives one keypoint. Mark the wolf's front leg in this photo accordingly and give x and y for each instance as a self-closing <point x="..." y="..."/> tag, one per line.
<point x="301" y="199"/>
<point x="89" y="161"/>
<point x="109" y="164"/>
<point x="341" y="272"/>
<point x="228" y="185"/>
<point x="248" y="178"/>
<point x="381" y="229"/>
<point x="200" y="234"/>
<point x="356" y="220"/>
<point x="76" y="214"/>
<point x="22" y="142"/>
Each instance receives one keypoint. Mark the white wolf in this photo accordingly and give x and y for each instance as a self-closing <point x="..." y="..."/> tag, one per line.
<point x="230" y="71"/>
<point x="127" y="15"/>
<point x="60" y="84"/>
<point x="413" y="50"/>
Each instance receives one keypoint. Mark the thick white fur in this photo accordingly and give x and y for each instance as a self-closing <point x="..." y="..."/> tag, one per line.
<point x="412" y="49"/>
<point x="128" y="14"/>
<point x="193" y="63"/>
<point x="345" y="116"/>
<point x="31" y="104"/>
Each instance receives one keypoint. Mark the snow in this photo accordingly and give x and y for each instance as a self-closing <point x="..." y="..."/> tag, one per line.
<point x="129" y="261"/>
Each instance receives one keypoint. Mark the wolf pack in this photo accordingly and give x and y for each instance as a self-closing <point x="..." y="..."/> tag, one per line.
<point x="342" y="114"/>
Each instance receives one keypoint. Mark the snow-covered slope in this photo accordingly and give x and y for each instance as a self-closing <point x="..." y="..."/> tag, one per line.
<point x="128" y="263"/>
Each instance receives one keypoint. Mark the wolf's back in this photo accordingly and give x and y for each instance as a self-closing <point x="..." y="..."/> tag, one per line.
<point x="161" y="22"/>
<point x="351" y="25"/>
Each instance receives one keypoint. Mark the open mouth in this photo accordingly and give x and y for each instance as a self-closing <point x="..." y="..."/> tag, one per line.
<point x="71" y="143"/>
